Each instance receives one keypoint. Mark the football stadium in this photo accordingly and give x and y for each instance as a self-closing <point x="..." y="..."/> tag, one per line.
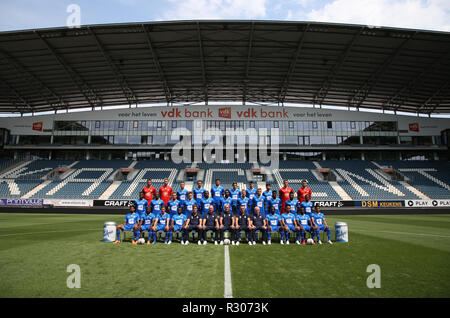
<point x="212" y="159"/>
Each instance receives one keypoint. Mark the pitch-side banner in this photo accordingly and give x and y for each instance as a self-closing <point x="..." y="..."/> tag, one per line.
<point x="69" y="202"/>
<point x="427" y="203"/>
<point x="379" y="204"/>
<point x="21" y="202"/>
<point x="114" y="203"/>
<point x="334" y="204"/>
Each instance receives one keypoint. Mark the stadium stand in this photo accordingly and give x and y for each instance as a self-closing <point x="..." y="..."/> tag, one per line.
<point x="92" y="179"/>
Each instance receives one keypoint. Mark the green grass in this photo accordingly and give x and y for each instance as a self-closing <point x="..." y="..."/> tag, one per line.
<point x="413" y="252"/>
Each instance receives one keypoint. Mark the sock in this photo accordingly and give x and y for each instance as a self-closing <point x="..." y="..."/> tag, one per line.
<point x="282" y="235"/>
<point x="329" y="234"/>
<point x="287" y="235"/>
<point x="303" y="234"/>
<point x="170" y="235"/>
<point x="118" y="235"/>
<point x="269" y="235"/>
<point x="297" y="235"/>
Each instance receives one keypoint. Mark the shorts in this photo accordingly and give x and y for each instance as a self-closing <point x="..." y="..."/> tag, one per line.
<point x="275" y="229"/>
<point x="128" y="227"/>
<point x="142" y="216"/>
<point x="321" y="228"/>
<point x="177" y="229"/>
<point x="307" y="228"/>
<point x="146" y="227"/>
<point x="160" y="227"/>
<point x="291" y="228"/>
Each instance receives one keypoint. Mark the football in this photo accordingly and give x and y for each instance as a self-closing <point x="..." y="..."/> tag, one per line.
<point x="142" y="240"/>
<point x="226" y="242"/>
<point x="310" y="241"/>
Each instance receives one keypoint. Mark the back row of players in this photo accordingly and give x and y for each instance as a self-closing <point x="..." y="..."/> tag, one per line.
<point x="232" y="210"/>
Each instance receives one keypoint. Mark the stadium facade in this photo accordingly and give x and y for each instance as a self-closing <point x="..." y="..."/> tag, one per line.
<point x="151" y="132"/>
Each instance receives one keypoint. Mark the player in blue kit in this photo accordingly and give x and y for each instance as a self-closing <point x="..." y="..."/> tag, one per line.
<point x="244" y="200"/>
<point x="189" y="204"/>
<point x="147" y="226"/>
<point x="141" y="206"/>
<point x="235" y="194"/>
<point x="294" y="203"/>
<point x="259" y="201"/>
<point x="156" y="204"/>
<point x="162" y="223"/>
<point x="199" y="192"/>
<point x="251" y="192"/>
<point x="307" y="206"/>
<point x="178" y="224"/>
<point x="288" y="225"/>
<point x="274" y="202"/>
<point x="273" y="224"/>
<point x="226" y="200"/>
<point x="173" y="205"/>
<point x="205" y="204"/>
<point x="131" y="223"/>
<point x="217" y="192"/>
<point x="303" y="225"/>
<point x="182" y="194"/>
<point x="318" y="219"/>
<point x="268" y="193"/>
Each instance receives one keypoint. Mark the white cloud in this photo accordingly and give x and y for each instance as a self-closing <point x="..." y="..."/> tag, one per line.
<point x="216" y="9"/>
<point x="430" y="14"/>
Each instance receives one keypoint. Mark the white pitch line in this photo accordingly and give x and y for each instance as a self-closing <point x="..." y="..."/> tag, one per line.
<point x="407" y="233"/>
<point x="32" y="233"/>
<point x="228" y="289"/>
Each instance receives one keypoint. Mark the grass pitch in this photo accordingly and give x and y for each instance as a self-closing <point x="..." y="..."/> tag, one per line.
<point x="413" y="252"/>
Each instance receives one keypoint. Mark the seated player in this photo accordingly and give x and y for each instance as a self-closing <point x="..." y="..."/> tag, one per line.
<point x="173" y="205"/>
<point x="320" y="224"/>
<point x="242" y="224"/>
<point x="307" y="205"/>
<point x="244" y="200"/>
<point x="193" y="224"/>
<point x="295" y="205"/>
<point x="235" y="194"/>
<point x="141" y="206"/>
<point x="258" y="223"/>
<point x="273" y="224"/>
<point x="287" y="223"/>
<point x="178" y="224"/>
<point x="302" y="225"/>
<point x="162" y="224"/>
<point x="274" y="202"/>
<point x="210" y="223"/>
<point x="226" y="223"/>
<point x="205" y="203"/>
<point x="147" y="226"/>
<point x="131" y="223"/>
<point x="189" y="204"/>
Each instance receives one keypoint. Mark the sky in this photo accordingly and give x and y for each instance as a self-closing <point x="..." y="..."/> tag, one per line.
<point x="417" y="14"/>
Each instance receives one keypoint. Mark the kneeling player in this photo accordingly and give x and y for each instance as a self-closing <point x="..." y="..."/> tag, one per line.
<point x="321" y="224"/>
<point x="161" y="223"/>
<point x="287" y="222"/>
<point x="210" y="223"/>
<point x="131" y="223"/>
<point x="273" y="224"/>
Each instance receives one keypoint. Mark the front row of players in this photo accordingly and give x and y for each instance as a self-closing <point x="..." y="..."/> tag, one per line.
<point x="305" y="221"/>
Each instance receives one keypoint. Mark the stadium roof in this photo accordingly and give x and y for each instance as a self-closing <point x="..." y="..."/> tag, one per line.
<point x="249" y="61"/>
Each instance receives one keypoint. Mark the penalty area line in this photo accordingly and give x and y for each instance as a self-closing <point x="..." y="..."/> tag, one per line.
<point x="228" y="293"/>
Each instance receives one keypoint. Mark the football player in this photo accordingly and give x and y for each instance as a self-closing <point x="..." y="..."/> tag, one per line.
<point x="274" y="202"/>
<point x="307" y="206"/>
<point x="193" y="224"/>
<point x="131" y="223"/>
<point x="258" y="223"/>
<point x="259" y="201"/>
<point x="284" y="194"/>
<point x="287" y="223"/>
<point x="217" y="192"/>
<point x="235" y="194"/>
<point x="149" y="191"/>
<point x="226" y="223"/>
<point x="178" y="224"/>
<point x="189" y="204"/>
<point x="206" y="203"/>
<point x="173" y="205"/>
<point x="199" y="192"/>
<point x="162" y="223"/>
<point x="242" y="223"/>
<point x="210" y="223"/>
<point x="320" y="224"/>
<point x="165" y="191"/>
<point x="141" y="206"/>
<point x="303" y="191"/>
<point x="273" y="224"/>
<point x="303" y="225"/>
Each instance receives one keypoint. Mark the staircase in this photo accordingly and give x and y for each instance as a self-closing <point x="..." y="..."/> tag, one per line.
<point x="36" y="189"/>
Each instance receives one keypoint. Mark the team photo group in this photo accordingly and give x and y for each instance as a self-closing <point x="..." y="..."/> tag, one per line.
<point x="197" y="212"/>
